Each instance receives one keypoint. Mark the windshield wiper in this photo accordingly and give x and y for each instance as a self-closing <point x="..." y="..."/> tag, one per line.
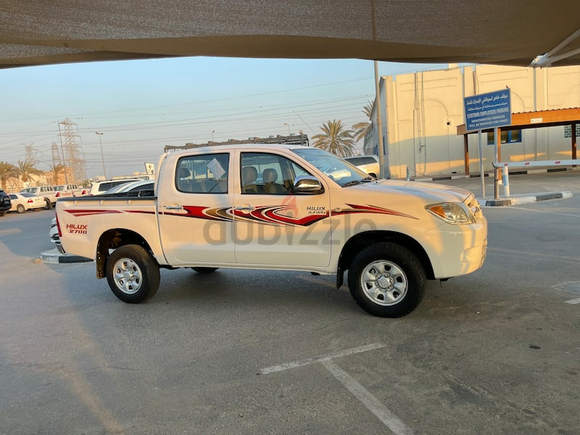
<point x="352" y="183"/>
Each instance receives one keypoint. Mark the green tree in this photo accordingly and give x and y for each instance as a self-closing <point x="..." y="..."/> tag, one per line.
<point x="56" y="171"/>
<point x="25" y="170"/>
<point x="361" y="128"/>
<point x="335" y="139"/>
<point x="7" y="170"/>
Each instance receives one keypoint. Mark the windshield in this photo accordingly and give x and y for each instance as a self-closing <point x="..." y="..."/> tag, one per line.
<point x="334" y="167"/>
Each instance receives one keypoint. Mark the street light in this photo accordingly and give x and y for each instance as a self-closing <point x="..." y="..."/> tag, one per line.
<point x="102" y="155"/>
<point x="288" y="127"/>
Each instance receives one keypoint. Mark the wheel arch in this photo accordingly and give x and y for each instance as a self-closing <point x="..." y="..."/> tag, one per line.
<point x="361" y="240"/>
<point x="113" y="239"/>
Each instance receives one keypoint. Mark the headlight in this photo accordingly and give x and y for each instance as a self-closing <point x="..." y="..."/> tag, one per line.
<point x="452" y="213"/>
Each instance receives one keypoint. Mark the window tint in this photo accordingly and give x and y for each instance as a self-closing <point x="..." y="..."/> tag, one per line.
<point x="269" y="174"/>
<point x="206" y="173"/>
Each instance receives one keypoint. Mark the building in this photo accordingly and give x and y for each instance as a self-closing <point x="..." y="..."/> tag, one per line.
<point x="421" y="112"/>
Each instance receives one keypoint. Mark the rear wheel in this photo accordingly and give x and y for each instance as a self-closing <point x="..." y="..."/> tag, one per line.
<point x="48" y="204"/>
<point x="20" y="208"/>
<point x="387" y="280"/>
<point x="204" y="270"/>
<point x="132" y="274"/>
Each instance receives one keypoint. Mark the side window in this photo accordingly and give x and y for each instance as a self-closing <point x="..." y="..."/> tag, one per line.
<point x="268" y="174"/>
<point x="207" y="173"/>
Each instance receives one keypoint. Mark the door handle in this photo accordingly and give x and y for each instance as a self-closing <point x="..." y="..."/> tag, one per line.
<point x="173" y="207"/>
<point x="245" y="208"/>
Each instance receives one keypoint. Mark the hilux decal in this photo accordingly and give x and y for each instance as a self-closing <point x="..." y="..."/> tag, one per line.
<point x="268" y="215"/>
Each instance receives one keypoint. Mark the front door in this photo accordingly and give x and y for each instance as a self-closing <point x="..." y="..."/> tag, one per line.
<point x="272" y="225"/>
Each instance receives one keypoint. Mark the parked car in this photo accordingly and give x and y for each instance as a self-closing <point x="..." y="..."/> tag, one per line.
<point x="68" y="190"/>
<point x="54" y="237"/>
<point x="46" y="192"/>
<point x="209" y="212"/>
<point x="100" y="187"/>
<point x="368" y="164"/>
<point x="133" y="188"/>
<point x="5" y="202"/>
<point x="26" y="201"/>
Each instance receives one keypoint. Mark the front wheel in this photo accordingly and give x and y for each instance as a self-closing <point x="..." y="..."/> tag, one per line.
<point x="387" y="280"/>
<point x="132" y="274"/>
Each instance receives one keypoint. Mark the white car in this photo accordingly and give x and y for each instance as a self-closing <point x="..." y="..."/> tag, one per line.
<point x="54" y="237"/>
<point x="100" y="187"/>
<point x="137" y="187"/>
<point x="368" y="164"/>
<point x="26" y="201"/>
<point x="46" y="192"/>
<point x="68" y="190"/>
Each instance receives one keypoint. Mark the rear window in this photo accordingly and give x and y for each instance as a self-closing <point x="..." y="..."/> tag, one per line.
<point x="109" y="184"/>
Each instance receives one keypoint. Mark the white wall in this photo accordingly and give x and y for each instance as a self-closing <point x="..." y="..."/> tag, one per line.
<point x="422" y="110"/>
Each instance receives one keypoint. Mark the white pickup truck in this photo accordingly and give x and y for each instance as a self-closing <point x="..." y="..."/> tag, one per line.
<point x="280" y="207"/>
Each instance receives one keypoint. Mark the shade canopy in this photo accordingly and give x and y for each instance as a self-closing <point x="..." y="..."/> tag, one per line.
<point x="511" y="32"/>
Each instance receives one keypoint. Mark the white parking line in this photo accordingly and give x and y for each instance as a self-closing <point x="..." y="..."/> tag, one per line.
<point x="371" y="402"/>
<point x="323" y="358"/>
<point x="573" y="301"/>
<point x="389" y="419"/>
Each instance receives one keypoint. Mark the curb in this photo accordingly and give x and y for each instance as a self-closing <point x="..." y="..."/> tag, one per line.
<point x="525" y="199"/>
<point x="490" y="175"/>
<point x="55" y="257"/>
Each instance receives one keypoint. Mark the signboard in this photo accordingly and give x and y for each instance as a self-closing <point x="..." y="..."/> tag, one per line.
<point x="489" y="110"/>
<point x="150" y="168"/>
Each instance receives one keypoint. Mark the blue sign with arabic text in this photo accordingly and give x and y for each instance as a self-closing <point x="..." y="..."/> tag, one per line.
<point x="489" y="110"/>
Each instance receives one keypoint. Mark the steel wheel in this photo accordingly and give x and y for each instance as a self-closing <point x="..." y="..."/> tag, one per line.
<point x="384" y="283"/>
<point x="127" y="276"/>
<point x="132" y="274"/>
<point x="386" y="280"/>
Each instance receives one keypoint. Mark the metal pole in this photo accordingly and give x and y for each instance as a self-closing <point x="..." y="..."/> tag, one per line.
<point x="379" y="123"/>
<point x="481" y="174"/>
<point x="64" y="158"/>
<point x="102" y="155"/>
<point x="496" y="170"/>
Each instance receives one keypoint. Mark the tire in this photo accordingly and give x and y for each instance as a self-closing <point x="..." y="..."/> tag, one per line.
<point x="48" y="205"/>
<point x="132" y="274"/>
<point x="2" y="213"/>
<point x="387" y="280"/>
<point x="20" y="208"/>
<point x="205" y="270"/>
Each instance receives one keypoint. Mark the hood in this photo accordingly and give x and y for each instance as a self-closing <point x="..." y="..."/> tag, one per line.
<point x="429" y="192"/>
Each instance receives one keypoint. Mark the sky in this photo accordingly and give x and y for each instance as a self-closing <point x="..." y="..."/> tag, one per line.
<point x="140" y="106"/>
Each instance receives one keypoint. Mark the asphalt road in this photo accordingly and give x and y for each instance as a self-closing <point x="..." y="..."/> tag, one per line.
<point x="245" y="352"/>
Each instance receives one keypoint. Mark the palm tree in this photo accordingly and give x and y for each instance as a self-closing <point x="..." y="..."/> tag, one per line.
<point x="56" y="170"/>
<point x="25" y="170"/>
<point x="335" y="139"/>
<point x="361" y="128"/>
<point x="7" y="170"/>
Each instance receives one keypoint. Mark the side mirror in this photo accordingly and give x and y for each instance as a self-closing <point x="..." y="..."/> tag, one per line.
<point x="307" y="185"/>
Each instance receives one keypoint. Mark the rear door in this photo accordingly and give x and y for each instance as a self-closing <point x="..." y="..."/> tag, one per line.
<point x="273" y="226"/>
<point x="195" y="220"/>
